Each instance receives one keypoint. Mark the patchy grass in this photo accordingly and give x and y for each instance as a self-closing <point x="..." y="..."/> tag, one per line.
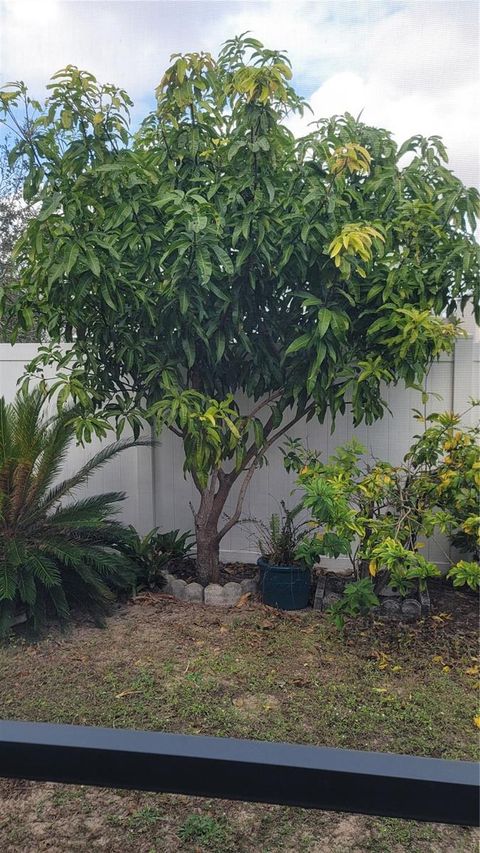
<point x="247" y="672"/>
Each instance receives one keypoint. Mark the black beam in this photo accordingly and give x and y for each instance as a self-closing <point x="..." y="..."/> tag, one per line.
<point x="424" y="789"/>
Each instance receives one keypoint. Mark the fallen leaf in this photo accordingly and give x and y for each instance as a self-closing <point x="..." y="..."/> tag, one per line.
<point x="472" y="670"/>
<point x="397" y="668"/>
<point x="476" y="721"/>
<point x="446" y="668"/>
<point x="243" y="599"/>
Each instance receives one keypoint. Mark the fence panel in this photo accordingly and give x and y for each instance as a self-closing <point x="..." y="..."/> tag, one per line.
<point x="159" y="494"/>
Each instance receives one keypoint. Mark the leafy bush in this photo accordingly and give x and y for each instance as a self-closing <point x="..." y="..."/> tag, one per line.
<point x="451" y="455"/>
<point x="53" y="554"/>
<point x="464" y="573"/>
<point x="375" y="513"/>
<point x="358" y="599"/>
<point x="153" y="552"/>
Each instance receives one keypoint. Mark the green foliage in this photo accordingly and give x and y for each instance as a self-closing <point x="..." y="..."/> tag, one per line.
<point x="463" y="573"/>
<point x="404" y="567"/>
<point x="152" y="553"/>
<point x="216" y="232"/>
<point x="212" y="253"/>
<point x="375" y="513"/>
<point x="358" y="599"/>
<point x="54" y="554"/>
<point x="281" y="539"/>
<point x="452" y="453"/>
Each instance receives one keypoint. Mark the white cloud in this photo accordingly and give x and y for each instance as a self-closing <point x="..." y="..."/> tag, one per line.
<point x="451" y="114"/>
<point x="411" y="66"/>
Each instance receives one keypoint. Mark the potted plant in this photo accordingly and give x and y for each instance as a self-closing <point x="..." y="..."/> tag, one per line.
<point x="285" y="577"/>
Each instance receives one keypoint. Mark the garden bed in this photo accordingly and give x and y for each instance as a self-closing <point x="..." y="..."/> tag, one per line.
<point x="235" y="580"/>
<point x="245" y="672"/>
<point x="392" y="606"/>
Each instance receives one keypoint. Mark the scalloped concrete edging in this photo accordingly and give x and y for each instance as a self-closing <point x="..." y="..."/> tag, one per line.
<point x="213" y="594"/>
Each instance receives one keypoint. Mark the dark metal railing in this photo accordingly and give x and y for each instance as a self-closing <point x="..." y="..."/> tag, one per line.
<point x="424" y="789"/>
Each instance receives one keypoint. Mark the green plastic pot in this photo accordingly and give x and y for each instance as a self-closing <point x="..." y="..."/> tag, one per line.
<point x="284" y="587"/>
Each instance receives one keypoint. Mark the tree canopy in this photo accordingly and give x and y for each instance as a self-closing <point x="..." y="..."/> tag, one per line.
<point x="212" y="252"/>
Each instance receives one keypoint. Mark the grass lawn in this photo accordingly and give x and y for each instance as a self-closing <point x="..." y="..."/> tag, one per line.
<point x="247" y="672"/>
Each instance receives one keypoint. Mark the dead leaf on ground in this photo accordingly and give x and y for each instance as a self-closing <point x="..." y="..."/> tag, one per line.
<point x="243" y="600"/>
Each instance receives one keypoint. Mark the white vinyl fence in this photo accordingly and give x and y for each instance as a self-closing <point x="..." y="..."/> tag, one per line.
<point x="158" y="494"/>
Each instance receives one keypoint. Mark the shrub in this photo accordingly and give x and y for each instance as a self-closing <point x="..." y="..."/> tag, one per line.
<point x="375" y="513"/>
<point x="153" y="552"/>
<point x="464" y="573"/>
<point x="54" y="553"/>
<point x="358" y="599"/>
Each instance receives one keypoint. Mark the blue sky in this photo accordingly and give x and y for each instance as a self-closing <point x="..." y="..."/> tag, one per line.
<point x="411" y="65"/>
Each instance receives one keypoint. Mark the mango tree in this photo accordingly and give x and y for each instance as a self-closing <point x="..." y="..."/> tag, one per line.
<point x="211" y="252"/>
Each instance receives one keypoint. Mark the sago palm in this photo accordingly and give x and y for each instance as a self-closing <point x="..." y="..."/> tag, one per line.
<point x="54" y="553"/>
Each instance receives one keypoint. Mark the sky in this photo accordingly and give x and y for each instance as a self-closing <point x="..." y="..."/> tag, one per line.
<point x="411" y="66"/>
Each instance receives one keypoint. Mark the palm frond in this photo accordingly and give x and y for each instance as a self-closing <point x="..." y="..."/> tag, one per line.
<point x="53" y="554"/>
<point x="87" y="512"/>
<point x="101" y="458"/>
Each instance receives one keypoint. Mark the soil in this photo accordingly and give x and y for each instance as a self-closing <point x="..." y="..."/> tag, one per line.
<point x="247" y="672"/>
<point x="186" y="570"/>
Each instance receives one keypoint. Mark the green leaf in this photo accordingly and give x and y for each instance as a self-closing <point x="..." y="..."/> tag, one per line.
<point x="93" y="262"/>
<point x="300" y="343"/>
<point x="204" y="264"/>
<point x="270" y="189"/>
<point x="224" y="259"/>
<point x="50" y="207"/>
<point x="72" y="257"/>
<point x="324" y="318"/>
<point x="183" y="300"/>
<point x="66" y="119"/>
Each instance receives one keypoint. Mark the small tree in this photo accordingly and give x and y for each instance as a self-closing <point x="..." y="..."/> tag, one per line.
<point x="212" y="252"/>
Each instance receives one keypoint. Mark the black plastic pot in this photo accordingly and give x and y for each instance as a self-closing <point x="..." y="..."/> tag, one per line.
<point x="284" y="587"/>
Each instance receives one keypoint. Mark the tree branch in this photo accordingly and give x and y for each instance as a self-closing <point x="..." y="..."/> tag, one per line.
<point x="250" y="471"/>
<point x="265" y="402"/>
<point x="241" y="496"/>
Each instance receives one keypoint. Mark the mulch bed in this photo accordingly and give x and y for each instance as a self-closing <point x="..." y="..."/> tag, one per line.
<point x="186" y="570"/>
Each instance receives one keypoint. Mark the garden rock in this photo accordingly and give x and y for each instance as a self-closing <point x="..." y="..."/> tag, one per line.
<point x="331" y="598"/>
<point x="388" y="592"/>
<point x="214" y="595"/>
<point x="167" y="587"/>
<point x="390" y="608"/>
<point x="194" y="592"/>
<point x="411" y="609"/>
<point x="231" y="593"/>
<point x="249" y="585"/>
<point x="178" y="588"/>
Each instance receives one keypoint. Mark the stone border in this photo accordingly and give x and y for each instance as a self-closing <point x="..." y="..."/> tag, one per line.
<point x="392" y="606"/>
<point x="213" y="594"/>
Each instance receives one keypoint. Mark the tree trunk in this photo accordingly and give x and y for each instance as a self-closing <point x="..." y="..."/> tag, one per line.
<point x="207" y="534"/>
<point x="208" y="552"/>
